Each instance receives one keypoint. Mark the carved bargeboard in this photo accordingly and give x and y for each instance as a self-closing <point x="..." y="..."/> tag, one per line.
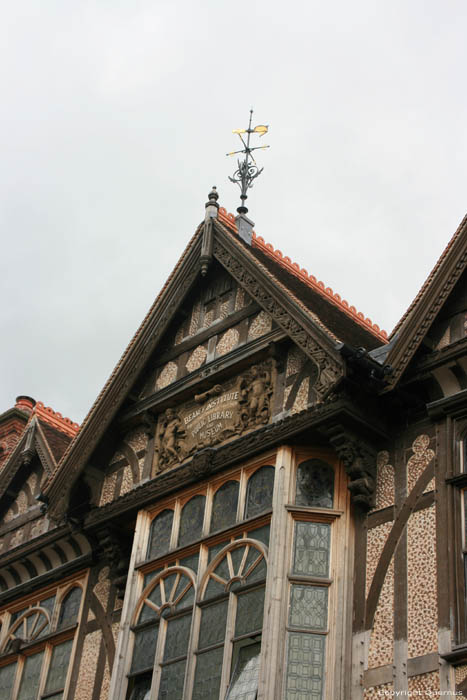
<point x="224" y="411"/>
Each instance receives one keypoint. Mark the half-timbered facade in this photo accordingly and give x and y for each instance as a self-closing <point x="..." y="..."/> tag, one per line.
<point x="267" y="500"/>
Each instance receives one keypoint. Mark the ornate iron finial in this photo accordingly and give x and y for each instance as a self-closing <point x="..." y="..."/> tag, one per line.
<point x="247" y="171"/>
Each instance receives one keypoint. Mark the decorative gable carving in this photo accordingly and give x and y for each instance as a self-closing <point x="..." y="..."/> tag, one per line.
<point x="329" y="370"/>
<point x="225" y="411"/>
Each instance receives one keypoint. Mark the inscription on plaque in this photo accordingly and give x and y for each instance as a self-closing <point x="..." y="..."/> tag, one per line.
<point x="214" y="416"/>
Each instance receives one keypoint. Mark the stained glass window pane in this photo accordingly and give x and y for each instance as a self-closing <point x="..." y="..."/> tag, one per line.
<point x="70" y="608"/>
<point x="141" y="688"/>
<point x="208" y="675"/>
<point x="249" y="612"/>
<point x="305" y="667"/>
<point x="215" y="549"/>
<point x="159" y="538"/>
<point x="47" y="604"/>
<point x="144" y="649"/>
<point x="178" y="634"/>
<point x="191" y="521"/>
<point x="213" y="622"/>
<point x="255" y="566"/>
<point x="308" y="607"/>
<point x="237" y="556"/>
<point x="244" y="683"/>
<point x="147" y="613"/>
<point x="315" y="484"/>
<point x="186" y="591"/>
<point x="261" y="534"/>
<point x="191" y="562"/>
<point x="58" y="666"/>
<point x="214" y="588"/>
<point x="224" y="506"/>
<point x="311" y="554"/>
<point x="30" y="677"/>
<point x="172" y="678"/>
<point x="7" y="677"/>
<point x="259" y="493"/>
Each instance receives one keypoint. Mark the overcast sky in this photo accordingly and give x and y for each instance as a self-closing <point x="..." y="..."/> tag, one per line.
<point x="116" y="116"/>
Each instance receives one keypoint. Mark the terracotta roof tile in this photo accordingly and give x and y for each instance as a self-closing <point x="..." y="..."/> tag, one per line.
<point x="294" y="269"/>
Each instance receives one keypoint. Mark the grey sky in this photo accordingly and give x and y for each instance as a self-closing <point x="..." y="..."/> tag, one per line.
<point x="115" y="121"/>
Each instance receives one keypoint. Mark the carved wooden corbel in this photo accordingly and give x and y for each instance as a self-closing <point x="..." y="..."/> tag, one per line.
<point x="114" y="548"/>
<point x="202" y="462"/>
<point x="359" y="460"/>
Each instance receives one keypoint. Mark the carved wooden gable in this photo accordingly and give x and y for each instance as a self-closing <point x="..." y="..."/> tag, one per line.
<point x="217" y="318"/>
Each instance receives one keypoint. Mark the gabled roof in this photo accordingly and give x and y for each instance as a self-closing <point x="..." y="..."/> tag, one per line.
<point x="342" y="318"/>
<point x="417" y="320"/>
<point x="46" y="433"/>
<point x="278" y="290"/>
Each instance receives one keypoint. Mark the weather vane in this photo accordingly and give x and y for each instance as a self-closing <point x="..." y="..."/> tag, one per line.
<point x="247" y="170"/>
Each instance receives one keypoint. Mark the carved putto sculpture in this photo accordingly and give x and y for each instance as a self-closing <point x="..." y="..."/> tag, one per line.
<point x="169" y="445"/>
<point x="256" y="391"/>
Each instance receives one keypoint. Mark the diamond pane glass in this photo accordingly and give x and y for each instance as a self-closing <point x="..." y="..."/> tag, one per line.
<point x="224" y="506"/>
<point x="308" y="607"/>
<point x="144" y="648"/>
<point x="311" y="554"/>
<point x="191" y="521"/>
<point x="7" y="677"/>
<point x="172" y="678"/>
<point x="249" y="612"/>
<point x="315" y="484"/>
<point x="244" y="683"/>
<point x="213" y="621"/>
<point x="178" y="634"/>
<point x="159" y="538"/>
<point x="30" y="677"/>
<point x="58" y="666"/>
<point x="70" y="608"/>
<point x="305" y="667"/>
<point x="259" y="493"/>
<point x="208" y="675"/>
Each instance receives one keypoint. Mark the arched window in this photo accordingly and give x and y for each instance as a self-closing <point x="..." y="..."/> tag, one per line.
<point x="224" y="506"/>
<point x="229" y="641"/>
<point x="38" y="645"/>
<point x="161" y="530"/>
<point x="259" y="493"/>
<point x="69" y="609"/>
<point x="161" y="628"/>
<point x="191" y="521"/>
<point x="315" y="484"/>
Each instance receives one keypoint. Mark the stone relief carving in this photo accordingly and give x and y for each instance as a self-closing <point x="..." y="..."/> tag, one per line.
<point x="215" y="415"/>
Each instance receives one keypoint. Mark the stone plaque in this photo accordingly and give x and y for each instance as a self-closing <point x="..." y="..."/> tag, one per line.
<point x="224" y="411"/>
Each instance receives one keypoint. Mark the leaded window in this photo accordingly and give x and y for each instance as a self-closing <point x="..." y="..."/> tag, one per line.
<point x="161" y="530"/>
<point x="259" y="491"/>
<point x="315" y="484"/>
<point x="178" y="625"/>
<point x="34" y="668"/>
<point x="191" y="521"/>
<point x="224" y="506"/>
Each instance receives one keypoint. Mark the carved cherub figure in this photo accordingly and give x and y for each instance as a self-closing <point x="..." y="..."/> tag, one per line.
<point x="256" y="393"/>
<point x="169" y="445"/>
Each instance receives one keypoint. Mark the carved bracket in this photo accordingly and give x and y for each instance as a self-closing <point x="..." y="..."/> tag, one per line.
<point x="114" y="548"/>
<point x="359" y="460"/>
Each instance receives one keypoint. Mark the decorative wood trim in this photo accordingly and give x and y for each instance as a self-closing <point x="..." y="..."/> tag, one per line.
<point x="287" y="313"/>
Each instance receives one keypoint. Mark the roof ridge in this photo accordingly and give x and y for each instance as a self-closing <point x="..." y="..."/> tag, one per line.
<point x="430" y="276"/>
<point x="55" y="419"/>
<point x="302" y="274"/>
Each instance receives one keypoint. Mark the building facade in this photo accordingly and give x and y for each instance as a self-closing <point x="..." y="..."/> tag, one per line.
<point x="266" y="501"/>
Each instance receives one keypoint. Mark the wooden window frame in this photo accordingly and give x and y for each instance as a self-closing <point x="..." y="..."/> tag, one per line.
<point x="48" y="641"/>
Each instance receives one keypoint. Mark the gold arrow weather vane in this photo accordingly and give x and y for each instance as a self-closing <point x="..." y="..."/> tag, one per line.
<point x="247" y="172"/>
